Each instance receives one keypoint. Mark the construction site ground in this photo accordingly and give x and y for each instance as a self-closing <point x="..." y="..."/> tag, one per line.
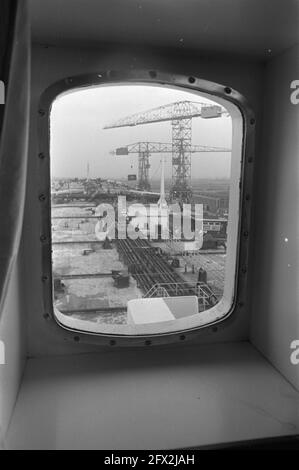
<point x="98" y="292"/>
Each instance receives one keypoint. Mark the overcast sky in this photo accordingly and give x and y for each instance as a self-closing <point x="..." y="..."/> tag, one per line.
<point x="77" y="134"/>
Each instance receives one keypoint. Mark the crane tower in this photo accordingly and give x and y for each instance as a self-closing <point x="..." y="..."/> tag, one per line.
<point x="180" y="114"/>
<point x="145" y="149"/>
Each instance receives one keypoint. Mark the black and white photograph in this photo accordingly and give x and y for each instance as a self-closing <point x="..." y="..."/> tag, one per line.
<point x="149" y="228"/>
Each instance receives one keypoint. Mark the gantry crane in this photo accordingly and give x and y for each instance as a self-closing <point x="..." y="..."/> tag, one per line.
<point x="145" y="149"/>
<point x="180" y="114"/>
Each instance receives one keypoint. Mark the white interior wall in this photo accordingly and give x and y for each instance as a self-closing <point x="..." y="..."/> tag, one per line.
<point x="12" y="333"/>
<point x="275" y="289"/>
<point x="233" y="384"/>
<point x="14" y="146"/>
<point x="248" y="394"/>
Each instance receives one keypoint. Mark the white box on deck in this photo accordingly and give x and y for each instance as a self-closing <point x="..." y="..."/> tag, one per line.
<point x="159" y="309"/>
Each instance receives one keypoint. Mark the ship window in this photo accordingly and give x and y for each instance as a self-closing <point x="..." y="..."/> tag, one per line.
<point x="145" y="194"/>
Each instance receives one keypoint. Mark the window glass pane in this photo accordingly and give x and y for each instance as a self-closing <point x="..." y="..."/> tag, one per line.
<point x="144" y="192"/>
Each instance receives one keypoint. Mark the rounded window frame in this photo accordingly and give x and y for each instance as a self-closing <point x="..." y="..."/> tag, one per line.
<point x="146" y="77"/>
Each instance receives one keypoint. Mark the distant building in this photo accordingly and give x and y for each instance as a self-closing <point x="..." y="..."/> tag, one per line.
<point x="214" y="204"/>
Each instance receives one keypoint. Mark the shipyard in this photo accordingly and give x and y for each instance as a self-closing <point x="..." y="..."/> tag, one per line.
<point x="149" y="226"/>
<point x="95" y="279"/>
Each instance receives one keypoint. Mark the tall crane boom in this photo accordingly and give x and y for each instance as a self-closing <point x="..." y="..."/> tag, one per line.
<point x="161" y="147"/>
<point x="175" y="111"/>
<point x="144" y="149"/>
<point x="180" y="114"/>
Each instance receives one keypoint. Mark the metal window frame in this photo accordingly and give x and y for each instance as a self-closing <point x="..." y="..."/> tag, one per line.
<point x="146" y="77"/>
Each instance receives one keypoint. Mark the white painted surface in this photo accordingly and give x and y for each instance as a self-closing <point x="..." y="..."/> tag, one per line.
<point x="155" y="310"/>
<point x="275" y="290"/>
<point x="156" y="399"/>
<point x="12" y="333"/>
<point x="143" y="311"/>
